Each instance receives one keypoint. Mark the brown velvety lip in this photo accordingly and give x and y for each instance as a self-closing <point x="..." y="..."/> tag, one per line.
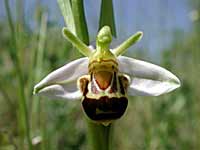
<point x="105" y="108"/>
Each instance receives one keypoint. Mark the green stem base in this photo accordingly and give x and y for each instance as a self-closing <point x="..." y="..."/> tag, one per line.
<point x="99" y="136"/>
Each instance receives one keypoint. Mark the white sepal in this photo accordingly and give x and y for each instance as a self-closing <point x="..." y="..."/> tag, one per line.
<point x="60" y="92"/>
<point x="147" y="79"/>
<point x="63" y="81"/>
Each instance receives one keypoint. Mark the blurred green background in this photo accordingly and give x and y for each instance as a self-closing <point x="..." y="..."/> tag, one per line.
<point x="171" y="39"/>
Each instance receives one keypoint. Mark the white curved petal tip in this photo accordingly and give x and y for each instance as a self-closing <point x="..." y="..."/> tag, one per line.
<point x="59" y="92"/>
<point x="63" y="81"/>
<point x="147" y="79"/>
<point x="36" y="90"/>
<point x="68" y="73"/>
<point x="146" y="87"/>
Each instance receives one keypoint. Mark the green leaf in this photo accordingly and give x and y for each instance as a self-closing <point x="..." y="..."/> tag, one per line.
<point x="107" y="16"/>
<point x="80" y="21"/>
<point x="66" y="10"/>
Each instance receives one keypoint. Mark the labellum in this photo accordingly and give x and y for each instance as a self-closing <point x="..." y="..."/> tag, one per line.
<point x="104" y="91"/>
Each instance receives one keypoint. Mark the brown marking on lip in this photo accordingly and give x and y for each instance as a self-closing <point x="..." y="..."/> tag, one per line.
<point x="83" y="85"/>
<point x="113" y="88"/>
<point x="124" y="83"/>
<point x="103" y="79"/>
<point x="121" y="87"/>
<point x="105" y="108"/>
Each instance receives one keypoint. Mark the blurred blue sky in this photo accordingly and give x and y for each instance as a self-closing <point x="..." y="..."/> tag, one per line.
<point x="158" y="19"/>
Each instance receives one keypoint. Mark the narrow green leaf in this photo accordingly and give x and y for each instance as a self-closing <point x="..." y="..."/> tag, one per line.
<point x="66" y="10"/>
<point x="107" y="16"/>
<point x="80" y="20"/>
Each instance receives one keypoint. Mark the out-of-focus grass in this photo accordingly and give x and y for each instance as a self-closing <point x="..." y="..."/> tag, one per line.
<point x="167" y="122"/>
<point x="14" y="52"/>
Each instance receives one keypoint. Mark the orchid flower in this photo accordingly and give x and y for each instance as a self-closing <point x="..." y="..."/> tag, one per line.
<point x="104" y="79"/>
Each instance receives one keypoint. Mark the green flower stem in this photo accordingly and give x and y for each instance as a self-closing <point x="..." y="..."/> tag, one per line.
<point x="99" y="136"/>
<point x="83" y="48"/>
<point x="23" y="112"/>
<point x="126" y="44"/>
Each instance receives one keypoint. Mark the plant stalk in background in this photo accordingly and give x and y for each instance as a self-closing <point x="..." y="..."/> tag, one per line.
<point x="23" y="122"/>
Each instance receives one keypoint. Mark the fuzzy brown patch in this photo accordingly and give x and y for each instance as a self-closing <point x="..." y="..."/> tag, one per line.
<point x="105" y="108"/>
<point x="83" y="85"/>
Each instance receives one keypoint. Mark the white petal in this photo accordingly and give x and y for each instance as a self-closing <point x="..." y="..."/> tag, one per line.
<point x="147" y="79"/>
<point x="60" y="92"/>
<point x="65" y="79"/>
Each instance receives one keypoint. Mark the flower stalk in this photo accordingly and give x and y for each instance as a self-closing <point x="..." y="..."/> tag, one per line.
<point x="100" y="136"/>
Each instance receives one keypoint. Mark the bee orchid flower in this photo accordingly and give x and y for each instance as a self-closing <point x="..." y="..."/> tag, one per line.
<point x="104" y="79"/>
